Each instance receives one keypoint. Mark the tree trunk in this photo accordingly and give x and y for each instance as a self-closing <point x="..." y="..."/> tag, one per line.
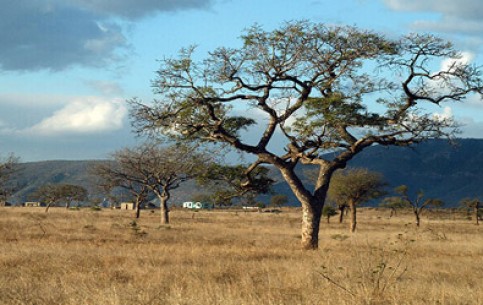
<point x="477" y="207"/>
<point x="138" y="209"/>
<point x="310" y="226"/>
<point x="164" y="210"/>
<point x="418" y="218"/>
<point x="328" y="219"/>
<point x="47" y="208"/>
<point x="353" y="211"/>
<point x="163" y="205"/>
<point x="341" y="215"/>
<point x="393" y="212"/>
<point x="312" y="204"/>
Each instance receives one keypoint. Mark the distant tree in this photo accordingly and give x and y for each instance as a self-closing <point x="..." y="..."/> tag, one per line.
<point x="475" y="205"/>
<point x="418" y="204"/>
<point x="229" y="182"/>
<point x="53" y="194"/>
<point x="8" y="167"/>
<point x="328" y="212"/>
<point x="313" y="85"/>
<point x="354" y="187"/>
<point x="393" y="205"/>
<point x="278" y="200"/>
<point x="114" y="175"/>
<point x="158" y="169"/>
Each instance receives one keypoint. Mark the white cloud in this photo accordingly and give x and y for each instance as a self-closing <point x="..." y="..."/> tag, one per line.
<point x="450" y="64"/>
<point x="447" y="114"/>
<point x="83" y="116"/>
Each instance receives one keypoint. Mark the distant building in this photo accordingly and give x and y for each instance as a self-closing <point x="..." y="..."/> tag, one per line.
<point x="197" y="205"/>
<point x="33" y="204"/>
<point x="127" y="206"/>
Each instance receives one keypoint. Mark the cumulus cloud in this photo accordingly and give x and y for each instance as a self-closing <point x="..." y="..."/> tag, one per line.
<point x="446" y="115"/>
<point x="462" y="17"/>
<point x="92" y="115"/>
<point x="58" y="34"/>
<point x="450" y="64"/>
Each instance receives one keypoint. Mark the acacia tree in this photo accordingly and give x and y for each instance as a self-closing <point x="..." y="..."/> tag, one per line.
<point x="278" y="200"/>
<point x="354" y="187"/>
<point x="328" y="211"/>
<point x="159" y="169"/>
<point x="418" y="204"/>
<point x="475" y="205"/>
<point x="53" y="194"/>
<point x="228" y="182"/>
<point x="314" y="85"/>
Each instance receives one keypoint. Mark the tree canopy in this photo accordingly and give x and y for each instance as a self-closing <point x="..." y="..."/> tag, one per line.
<point x="321" y="88"/>
<point x="352" y="187"/>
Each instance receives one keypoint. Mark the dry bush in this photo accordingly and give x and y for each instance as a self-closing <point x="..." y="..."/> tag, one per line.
<point x="104" y="257"/>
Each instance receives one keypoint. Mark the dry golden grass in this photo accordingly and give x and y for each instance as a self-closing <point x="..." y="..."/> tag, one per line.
<point x="88" y="257"/>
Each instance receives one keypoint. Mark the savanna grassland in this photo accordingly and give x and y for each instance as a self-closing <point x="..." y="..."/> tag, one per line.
<point x="212" y="257"/>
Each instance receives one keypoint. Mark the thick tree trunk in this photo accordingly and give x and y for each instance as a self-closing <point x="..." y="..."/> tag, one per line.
<point x="353" y="211"/>
<point x="47" y="208"/>
<point x="312" y="205"/>
<point x="310" y="226"/>
<point x="164" y="209"/>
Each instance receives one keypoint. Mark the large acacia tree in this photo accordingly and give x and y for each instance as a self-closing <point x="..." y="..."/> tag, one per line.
<point x="322" y="88"/>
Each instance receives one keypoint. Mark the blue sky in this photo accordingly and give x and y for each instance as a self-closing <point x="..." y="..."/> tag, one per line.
<point x="67" y="66"/>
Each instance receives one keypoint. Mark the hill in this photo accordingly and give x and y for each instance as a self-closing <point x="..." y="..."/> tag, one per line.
<point x="436" y="167"/>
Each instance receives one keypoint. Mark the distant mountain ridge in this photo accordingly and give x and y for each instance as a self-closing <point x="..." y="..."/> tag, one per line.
<point x="439" y="169"/>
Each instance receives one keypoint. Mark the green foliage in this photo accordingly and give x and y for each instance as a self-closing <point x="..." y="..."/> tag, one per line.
<point x="228" y="182"/>
<point x="329" y="211"/>
<point x="355" y="186"/>
<point x="60" y="193"/>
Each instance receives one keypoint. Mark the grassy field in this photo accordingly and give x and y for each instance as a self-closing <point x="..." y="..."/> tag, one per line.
<point x="105" y="257"/>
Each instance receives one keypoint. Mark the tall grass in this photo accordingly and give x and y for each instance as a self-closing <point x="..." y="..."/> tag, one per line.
<point x="105" y="257"/>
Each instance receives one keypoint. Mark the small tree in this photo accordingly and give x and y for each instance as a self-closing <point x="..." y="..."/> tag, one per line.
<point x="328" y="212"/>
<point x="354" y="187"/>
<point x="278" y="200"/>
<point x="158" y="169"/>
<point x="393" y="205"/>
<point x="8" y="167"/>
<point x="418" y="205"/>
<point x="53" y="194"/>
<point x="473" y="204"/>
